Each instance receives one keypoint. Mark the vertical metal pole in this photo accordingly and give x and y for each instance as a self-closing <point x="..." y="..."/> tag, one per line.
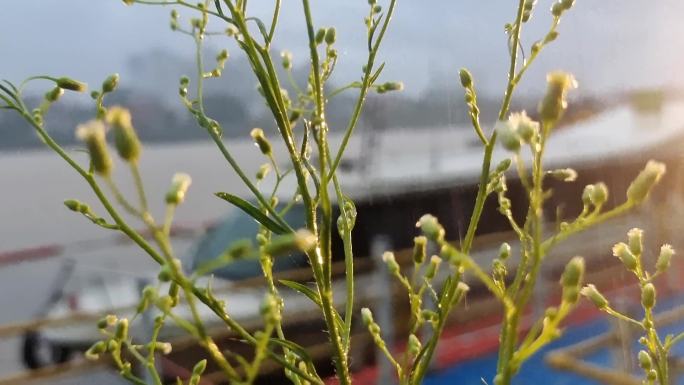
<point x="383" y="307"/>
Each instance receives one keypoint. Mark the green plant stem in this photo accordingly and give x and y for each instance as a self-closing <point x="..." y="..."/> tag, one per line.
<point x="365" y="85"/>
<point x="139" y="186"/>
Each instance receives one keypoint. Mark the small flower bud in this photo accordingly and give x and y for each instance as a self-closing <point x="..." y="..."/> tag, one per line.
<point x="389" y="87"/>
<point x="507" y="135"/>
<point x="93" y="135"/>
<point x="503" y="166"/>
<point x="592" y="293"/>
<point x="320" y="35"/>
<point x="504" y="251"/>
<point x="664" y="258"/>
<point x="648" y="296"/>
<point x="635" y="237"/>
<point x="525" y="127"/>
<point x="330" y="36"/>
<point x="126" y="139"/>
<point x="179" y="186"/>
<point x="652" y="375"/>
<point x="621" y="250"/>
<point x="599" y="195"/>
<point x="557" y="9"/>
<point x="414" y="345"/>
<point x="431" y="269"/>
<point x="286" y="57"/>
<point x="110" y="83"/>
<point x="391" y="262"/>
<point x="106" y="321"/>
<point x="302" y="240"/>
<point x="466" y="78"/>
<point x="93" y="353"/>
<point x="571" y="280"/>
<point x="71" y="84"/>
<point x="564" y="174"/>
<point x="367" y="316"/>
<point x="122" y="329"/>
<point x="645" y="361"/>
<point x="165" y="274"/>
<point x="419" y="249"/>
<point x="54" y="94"/>
<point x="431" y="227"/>
<point x="263" y="171"/>
<point x="164" y="347"/>
<point x="553" y="104"/>
<point x="261" y="141"/>
<point x="73" y="205"/>
<point x="638" y="190"/>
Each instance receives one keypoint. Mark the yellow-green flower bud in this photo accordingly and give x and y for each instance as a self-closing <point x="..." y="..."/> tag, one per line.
<point x="414" y="345"/>
<point x="599" y="195"/>
<point x="557" y="9"/>
<point x="129" y="2"/>
<point x="525" y="127"/>
<point x="419" y="249"/>
<point x="639" y="188"/>
<point x="164" y="347"/>
<point x="165" y="274"/>
<point x="621" y="250"/>
<point x="466" y="78"/>
<point x="260" y="140"/>
<point x="263" y="171"/>
<point x="503" y="166"/>
<point x="635" y="237"/>
<point x="504" y="251"/>
<point x="93" y="353"/>
<point x="391" y="262"/>
<point x="301" y="240"/>
<point x="553" y="104"/>
<point x="122" y="329"/>
<point x="54" y="94"/>
<point x="645" y="361"/>
<point x="431" y="269"/>
<point x="320" y="36"/>
<point x="652" y="375"/>
<point x="367" y="316"/>
<point x="564" y="174"/>
<point x="509" y="138"/>
<point x="648" y="296"/>
<point x="431" y="227"/>
<point x="110" y="84"/>
<point x="330" y="36"/>
<point x="389" y="87"/>
<point x="93" y="135"/>
<point x="179" y="187"/>
<point x="126" y="139"/>
<point x="71" y="84"/>
<point x="664" y="258"/>
<point x="286" y="57"/>
<point x="592" y="293"/>
<point x="73" y="205"/>
<point x="573" y="273"/>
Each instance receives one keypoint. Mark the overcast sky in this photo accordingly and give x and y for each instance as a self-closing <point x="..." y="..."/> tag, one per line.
<point x="608" y="44"/>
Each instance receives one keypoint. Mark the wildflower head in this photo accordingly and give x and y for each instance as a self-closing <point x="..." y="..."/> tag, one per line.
<point x="571" y="280"/>
<point x="431" y="227"/>
<point x="367" y="316"/>
<point x="419" y="249"/>
<point x="110" y="84"/>
<point x="508" y="135"/>
<point x="260" y="140"/>
<point x="391" y="262"/>
<point x="592" y="293"/>
<point x="622" y="251"/>
<point x="431" y="270"/>
<point x="71" y="84"/>
<point x="664" y="258"/>
<point x="179" y="186"/>
<point x="524" y="126"/>
<point x="639" y="188"/>
<point x="126" y="139"/>
<point x="286" y="59"/>
<point x="92" y="134"/>
<point x="635" y="237"/>
<point x="553" y="104"/>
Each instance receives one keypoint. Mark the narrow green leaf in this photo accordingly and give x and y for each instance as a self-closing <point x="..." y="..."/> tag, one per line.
<point x="254" y="212"/>
<point x="313" y="296"/>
